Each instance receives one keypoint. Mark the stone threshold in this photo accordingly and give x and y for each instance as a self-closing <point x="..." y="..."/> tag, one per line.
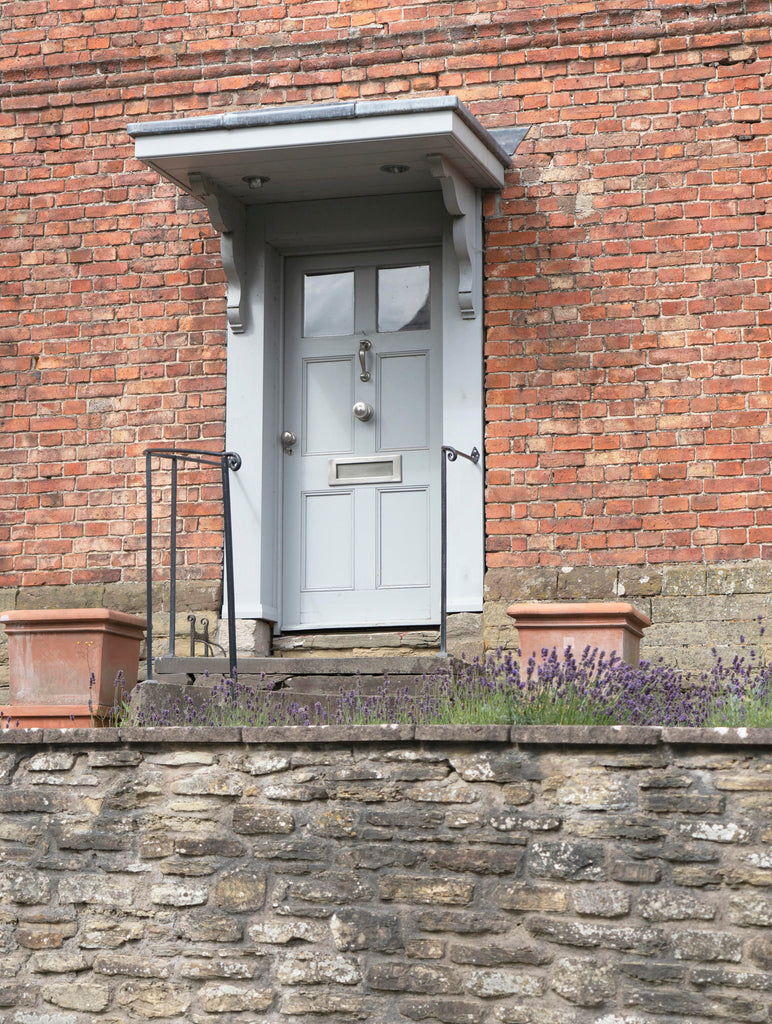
<point x="295" y="735"/>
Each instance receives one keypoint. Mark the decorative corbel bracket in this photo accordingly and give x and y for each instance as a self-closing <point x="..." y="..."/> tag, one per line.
<point x="460" y="199"/>
<point x="228" y="217"/>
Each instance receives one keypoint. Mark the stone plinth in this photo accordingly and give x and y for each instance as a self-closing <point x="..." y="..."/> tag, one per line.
<point x="607" y="625"/>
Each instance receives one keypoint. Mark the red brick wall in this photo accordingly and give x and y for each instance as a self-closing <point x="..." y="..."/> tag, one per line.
<point x="627" y="297"/>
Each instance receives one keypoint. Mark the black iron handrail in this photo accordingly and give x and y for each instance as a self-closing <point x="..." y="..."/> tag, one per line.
<point x="449" y="454"/>
<point x="225" y="461"/>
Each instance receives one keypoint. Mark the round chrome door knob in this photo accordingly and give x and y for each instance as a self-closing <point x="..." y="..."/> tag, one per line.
<point x="288" y="439"/>
<point x="363" y="411"/>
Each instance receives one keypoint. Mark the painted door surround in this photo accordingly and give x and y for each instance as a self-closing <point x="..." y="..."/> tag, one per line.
<point x="255" y="413"/>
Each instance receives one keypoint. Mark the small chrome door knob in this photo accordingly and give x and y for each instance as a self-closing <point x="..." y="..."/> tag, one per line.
<point x="363" y="411"/>
<point x="288" y="439"/>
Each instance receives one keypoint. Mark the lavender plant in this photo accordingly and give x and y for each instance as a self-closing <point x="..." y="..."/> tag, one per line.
<point x="591" y="689"/>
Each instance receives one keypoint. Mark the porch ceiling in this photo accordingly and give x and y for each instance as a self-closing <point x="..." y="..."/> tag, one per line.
<point x="327" y="151"/>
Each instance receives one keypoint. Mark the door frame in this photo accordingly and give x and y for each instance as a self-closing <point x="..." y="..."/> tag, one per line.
<point x="255" y="375"/>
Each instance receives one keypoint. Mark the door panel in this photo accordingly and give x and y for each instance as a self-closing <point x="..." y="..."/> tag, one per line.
<point x="361" y="535"/>
<point x="328" y="395"/>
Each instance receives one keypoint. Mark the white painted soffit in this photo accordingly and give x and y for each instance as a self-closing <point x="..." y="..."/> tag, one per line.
<point x="326" y="151"/>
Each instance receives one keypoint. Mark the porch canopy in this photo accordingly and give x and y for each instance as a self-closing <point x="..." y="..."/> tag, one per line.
<point x="324" y="151"/>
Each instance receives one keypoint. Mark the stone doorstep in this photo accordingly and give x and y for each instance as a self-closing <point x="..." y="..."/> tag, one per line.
<point x="282" y="669"/>
<point x="292" y="644"/>
<point x="305" y="680"/>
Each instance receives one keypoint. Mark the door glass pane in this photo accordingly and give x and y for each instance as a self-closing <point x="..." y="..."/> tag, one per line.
<point x="403" y="298"/>
<point x="328" y="304"/>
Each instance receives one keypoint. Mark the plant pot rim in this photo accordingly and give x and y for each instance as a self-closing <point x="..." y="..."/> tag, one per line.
<point x="69" y="618"/>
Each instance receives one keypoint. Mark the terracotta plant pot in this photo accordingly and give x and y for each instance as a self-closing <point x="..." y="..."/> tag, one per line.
<point x="607" y="625"/>
<point x="64" y="663"/>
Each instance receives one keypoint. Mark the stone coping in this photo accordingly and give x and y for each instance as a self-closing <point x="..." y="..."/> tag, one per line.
<point x="300" y="735"/>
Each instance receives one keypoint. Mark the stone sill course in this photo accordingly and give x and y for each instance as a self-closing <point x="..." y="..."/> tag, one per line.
<point x="525" y="735"/>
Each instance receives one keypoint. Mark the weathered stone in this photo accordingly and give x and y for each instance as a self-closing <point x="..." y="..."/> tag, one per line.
<point x="459" y="922"/>
<point x="410" y="889"/>
<point x="211" y="927"/>
<point x="179" y="894"/>
<point x="281" y="932"/>
<point x="354" y="929"/>
<point x="114" y="758"/>
<point x="692" y="945"/>
<point x="209" y="846"/>
<point x="216" y="967"/>
<point x="452" y="792"/>
<point x="209" y="781"/>
<point x="684" y="803"/>
<point x="252" y="819"/>
<point x="497" y="956"/>
<point x="28" y="801"/>
<point x="334" y="1004"/>
<point x="108" y="933"/>
<point x="135" y="792"/>
<point x="518" y="793"/>
<point x="751" y="909"/>
<point x="524" y="823"/>
<point x="425" y="949"/>
<point x="720" y="976"/>
<point x="526" y="896"/>
<point x="59" y="962"/>
<point x="696" y="875"/>
<point x="317" y="969"/>
<point x="77" y="995"/>
<point x="602" y="903"/>
<point x="644" y="941"/>
<point x="448" y="1011"/>
<point x="488" y="984"/>
<point x="478" y="859"/>
<point x="24" y="885"/>
<point x="335" y="821"/>
<point x="54" y="761"/>
<point x="132" y="966"/>
<point x="239" y="891"/>
<point x="654" y="972"/>
<point x="760" y="952"/>
<point x="488" y="766"/>
<point x="638" y="872"/>
<point x="672" y="905"/>
<point x="232" y="999"/>
<point x="154" y="998"/>
<point x="334" y="887"/>
<point x="584" y="982"/>
<point x="575" y="861"/>
<point x="111" y="833"/>
<point x="264" y="763"/>
<point x="592" y="789"/>
<point x="44" y="934"/>
<point x="398" y="977"/>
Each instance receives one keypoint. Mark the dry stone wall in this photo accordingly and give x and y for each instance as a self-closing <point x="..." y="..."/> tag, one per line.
<point x="388" y="874"/>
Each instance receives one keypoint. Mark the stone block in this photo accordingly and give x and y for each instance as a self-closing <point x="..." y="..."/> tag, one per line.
<point x="77" y="995"/>
<point x="224" y="998"/>
<point x="317" y="969"/>
<point x="354" y="929"/>
<point x="412" y="889"/>
<point x="587" y="583"/>
<point x="239" y="891"/>
<point x="401" y="977"/>
<point x="584" y="982"/>
<point x="684" y="581"/>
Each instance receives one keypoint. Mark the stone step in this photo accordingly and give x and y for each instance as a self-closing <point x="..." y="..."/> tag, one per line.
<point x="306" y="681"/>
